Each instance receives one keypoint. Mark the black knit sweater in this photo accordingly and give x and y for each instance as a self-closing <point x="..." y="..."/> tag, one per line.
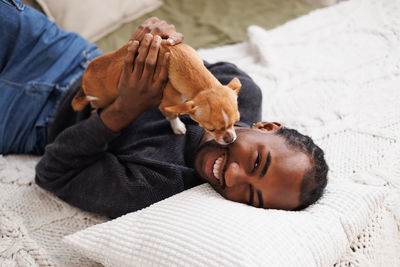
<point x="91" y="167"/>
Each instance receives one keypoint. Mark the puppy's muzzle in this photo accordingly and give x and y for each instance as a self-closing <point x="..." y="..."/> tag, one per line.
<point x="228" y="138"/>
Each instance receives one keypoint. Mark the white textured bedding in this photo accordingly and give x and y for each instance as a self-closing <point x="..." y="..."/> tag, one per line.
<point x="333" y="74"/>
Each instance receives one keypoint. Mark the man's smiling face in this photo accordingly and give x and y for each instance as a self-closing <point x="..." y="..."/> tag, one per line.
<point x="258" y="168"/>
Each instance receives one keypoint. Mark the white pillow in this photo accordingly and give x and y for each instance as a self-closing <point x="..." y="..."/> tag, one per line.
<point x="198" y="227"/>
<point x="94" y="19"/>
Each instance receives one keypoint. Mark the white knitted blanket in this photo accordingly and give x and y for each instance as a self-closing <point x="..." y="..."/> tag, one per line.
<point x="333" y="74"/>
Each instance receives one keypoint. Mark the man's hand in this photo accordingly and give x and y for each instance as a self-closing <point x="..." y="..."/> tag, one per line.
<point x="142" y="81"/>
<point x="159" y="27"/>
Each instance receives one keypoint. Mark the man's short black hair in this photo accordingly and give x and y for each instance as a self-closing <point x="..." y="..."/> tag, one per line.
<point x="315" y="179"/>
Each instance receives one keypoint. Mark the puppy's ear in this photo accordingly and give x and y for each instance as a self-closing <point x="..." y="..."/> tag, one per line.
<point x="184" y="108"/>
<point x="235" y="85"/>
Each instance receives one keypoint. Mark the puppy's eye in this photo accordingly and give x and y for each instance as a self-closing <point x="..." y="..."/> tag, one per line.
<point x="212" y="130"/>
<point x="257" y="162"/>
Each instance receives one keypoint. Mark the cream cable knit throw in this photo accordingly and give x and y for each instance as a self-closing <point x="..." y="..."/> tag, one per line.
<point x="334" y="74"/>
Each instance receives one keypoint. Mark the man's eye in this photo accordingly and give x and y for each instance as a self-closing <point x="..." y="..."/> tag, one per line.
<point x="257" y="162"/>
<point x="212" y="130"/>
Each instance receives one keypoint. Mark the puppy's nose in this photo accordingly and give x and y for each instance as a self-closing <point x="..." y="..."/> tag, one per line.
<point x="229" y="138"/>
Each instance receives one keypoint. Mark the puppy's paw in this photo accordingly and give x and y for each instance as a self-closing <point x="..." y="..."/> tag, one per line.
<point x="178" y="126"/>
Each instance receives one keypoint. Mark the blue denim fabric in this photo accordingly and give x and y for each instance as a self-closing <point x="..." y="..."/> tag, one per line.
<point x="38" y="63"/>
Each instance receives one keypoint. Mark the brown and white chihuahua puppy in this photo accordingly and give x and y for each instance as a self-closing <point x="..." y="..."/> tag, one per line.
<point x="191" y="89"/>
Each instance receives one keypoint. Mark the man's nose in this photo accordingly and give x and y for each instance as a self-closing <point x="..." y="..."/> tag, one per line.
<point x="234" y="175"/>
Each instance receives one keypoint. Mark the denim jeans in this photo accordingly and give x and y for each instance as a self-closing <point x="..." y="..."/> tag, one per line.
<point x="38" y="63"/>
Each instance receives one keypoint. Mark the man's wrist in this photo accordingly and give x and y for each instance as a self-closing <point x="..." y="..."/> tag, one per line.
<point x="115" y="117"/>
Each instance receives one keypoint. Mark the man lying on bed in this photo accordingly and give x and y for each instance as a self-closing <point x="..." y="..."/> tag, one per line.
<point x="119" y="160"/>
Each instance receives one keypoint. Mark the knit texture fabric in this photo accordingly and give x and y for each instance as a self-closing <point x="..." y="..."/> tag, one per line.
<point x="333" y="74"/>
<point x="201" y="228"/>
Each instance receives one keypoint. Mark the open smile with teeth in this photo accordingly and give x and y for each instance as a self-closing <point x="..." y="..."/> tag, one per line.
<point x="218" y="168"/>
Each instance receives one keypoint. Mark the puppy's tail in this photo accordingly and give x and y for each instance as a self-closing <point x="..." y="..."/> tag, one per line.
<point x="80" y="100"/>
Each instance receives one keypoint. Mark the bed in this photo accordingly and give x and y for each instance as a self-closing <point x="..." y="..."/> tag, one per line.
<point x="332" y="73"/>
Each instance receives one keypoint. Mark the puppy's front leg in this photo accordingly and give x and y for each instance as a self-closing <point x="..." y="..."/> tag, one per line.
<point x="177" y="126"/>
<point x="172" y="97"/>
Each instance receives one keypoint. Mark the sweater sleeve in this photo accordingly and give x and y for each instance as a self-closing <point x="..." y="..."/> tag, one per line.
<point x="79" y="168"/>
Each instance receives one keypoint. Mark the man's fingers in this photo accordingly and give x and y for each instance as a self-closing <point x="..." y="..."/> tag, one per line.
<point x="151" y="59"/>
<point x="141" y="58"/>
<point x="130" y="57"/>
<point x="144" y="28"/>
<point x="175" y="38"/>
<point x="151" y="20"/>
<point x="138" y="35"/>
<point x="168" y="31"/>
<point x="162" y="77"/>
<point x="155" y="26"/>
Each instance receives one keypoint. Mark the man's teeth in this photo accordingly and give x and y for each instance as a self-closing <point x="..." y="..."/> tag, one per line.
<point x="217" y="166"/>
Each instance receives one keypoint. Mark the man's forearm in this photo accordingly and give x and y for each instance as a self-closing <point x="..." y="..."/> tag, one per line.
<point x="75" y="148"/>
<point x="80" y="168"/>
<point x="115" y="118"/>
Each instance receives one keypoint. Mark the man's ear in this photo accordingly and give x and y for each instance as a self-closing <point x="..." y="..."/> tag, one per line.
<point x="235" y="85"/>
<point x="267" y="126"/>
<point x="184" y="108"/>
